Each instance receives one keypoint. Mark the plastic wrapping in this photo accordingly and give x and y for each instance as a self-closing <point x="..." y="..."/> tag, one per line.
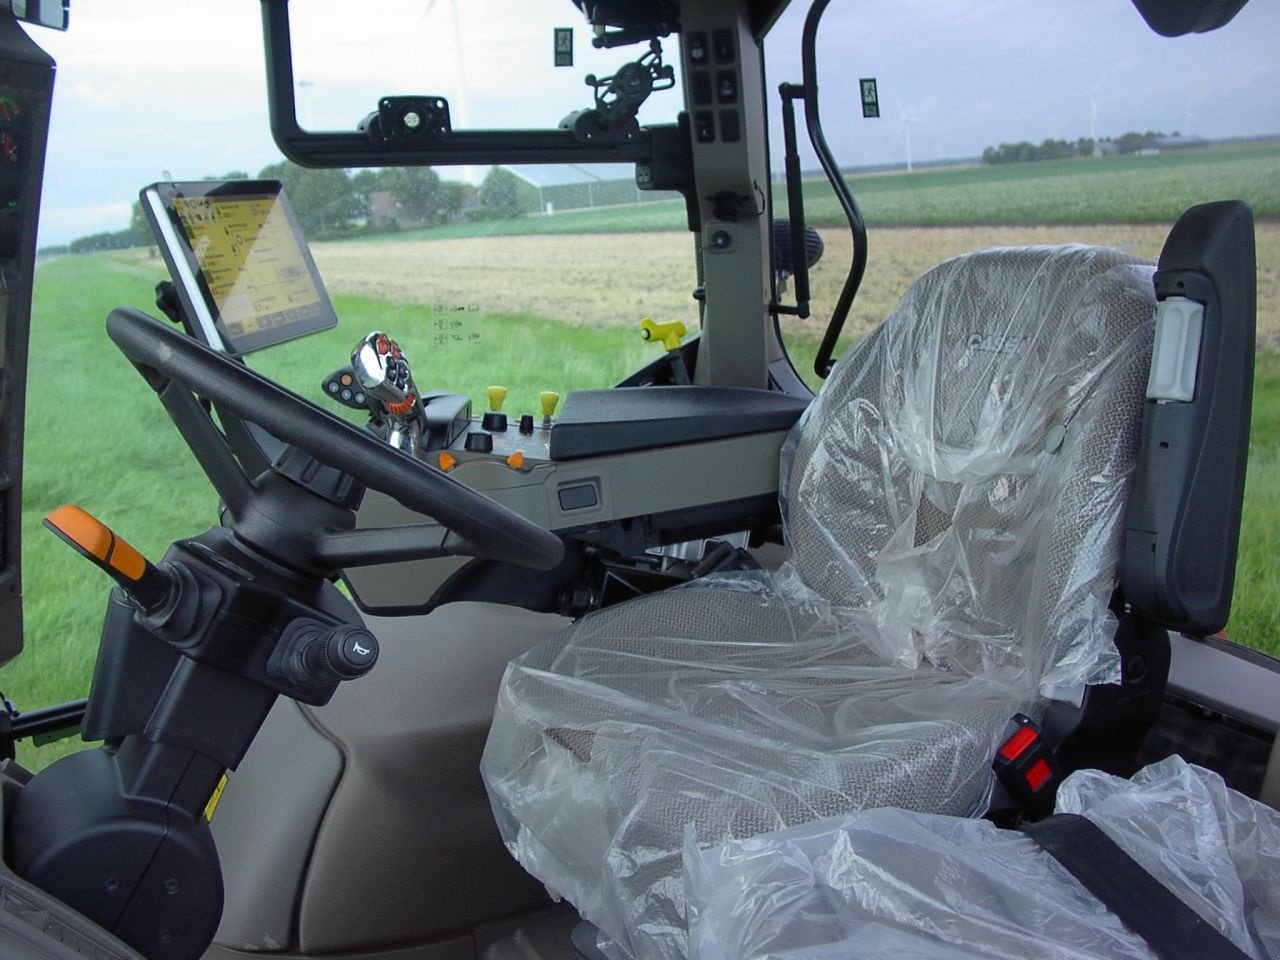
<point x="952" y="503"/>
<point x="895" y="883"/>
<point x="985" y="437"/>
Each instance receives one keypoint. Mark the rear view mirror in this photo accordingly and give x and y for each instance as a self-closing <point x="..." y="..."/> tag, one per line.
<point x="46" y="13"/>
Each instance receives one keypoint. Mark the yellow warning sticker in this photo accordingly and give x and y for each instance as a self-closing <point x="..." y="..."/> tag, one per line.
<point x="212" y="805"/>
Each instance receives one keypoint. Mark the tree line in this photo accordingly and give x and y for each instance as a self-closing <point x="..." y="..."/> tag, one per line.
<point x="333" y="203"/>
<point x="1050" y="149"/>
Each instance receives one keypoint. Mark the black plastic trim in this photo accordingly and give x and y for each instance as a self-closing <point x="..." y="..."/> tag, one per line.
<point x="1182" y="526"/>
<point x="598" y="422"/>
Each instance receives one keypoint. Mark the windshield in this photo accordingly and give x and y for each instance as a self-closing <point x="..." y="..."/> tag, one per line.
<point x="1002" y="123"/>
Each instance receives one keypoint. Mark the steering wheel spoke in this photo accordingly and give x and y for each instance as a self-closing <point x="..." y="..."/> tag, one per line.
<point x="209" y="446"/>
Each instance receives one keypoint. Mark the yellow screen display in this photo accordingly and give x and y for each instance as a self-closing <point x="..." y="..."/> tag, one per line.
<point x="253" y="264"/>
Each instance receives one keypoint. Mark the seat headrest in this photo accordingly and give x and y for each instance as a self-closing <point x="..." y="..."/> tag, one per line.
<point x="991" y="354"/>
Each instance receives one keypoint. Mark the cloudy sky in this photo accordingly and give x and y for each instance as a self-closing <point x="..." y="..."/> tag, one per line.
<point x="149" y="88"/>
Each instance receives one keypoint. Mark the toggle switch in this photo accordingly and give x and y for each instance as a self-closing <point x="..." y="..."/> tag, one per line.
<point x="548" y="399"/>
<point x="493" y="420"/>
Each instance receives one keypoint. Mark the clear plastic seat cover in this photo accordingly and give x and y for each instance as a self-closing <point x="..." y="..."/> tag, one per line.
<point x="896" y="883"/>
<point x="952" y="505"/>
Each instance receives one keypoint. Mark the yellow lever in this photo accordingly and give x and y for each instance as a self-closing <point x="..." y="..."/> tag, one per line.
<point x="548" y="400"/>
<point x="669" y="333"/>
<point x="497" y="395"/>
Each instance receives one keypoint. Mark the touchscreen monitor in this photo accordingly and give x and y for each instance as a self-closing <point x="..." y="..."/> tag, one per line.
<point x="239" y="261"/>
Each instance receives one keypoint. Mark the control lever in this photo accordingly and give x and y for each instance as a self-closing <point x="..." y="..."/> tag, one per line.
<point x="312" y="652"/>
<point x="150" y="587"/>
<point x="382" y="371"/>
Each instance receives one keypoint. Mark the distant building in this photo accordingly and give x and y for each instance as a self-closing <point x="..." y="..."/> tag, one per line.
<point x="1176" y="142"/>
<point x="551" y="188"/>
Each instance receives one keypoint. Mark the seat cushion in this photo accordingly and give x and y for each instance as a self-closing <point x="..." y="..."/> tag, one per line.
<point x="723" y="709"/>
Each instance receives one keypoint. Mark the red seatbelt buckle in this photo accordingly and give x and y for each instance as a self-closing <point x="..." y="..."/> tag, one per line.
<point x="1026" y="766"/>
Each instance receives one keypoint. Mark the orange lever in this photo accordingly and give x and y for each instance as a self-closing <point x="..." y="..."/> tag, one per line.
<point x="94" y="540"/>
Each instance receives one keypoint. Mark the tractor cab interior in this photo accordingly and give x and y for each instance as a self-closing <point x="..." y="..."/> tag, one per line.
<point x="445" y="683"/>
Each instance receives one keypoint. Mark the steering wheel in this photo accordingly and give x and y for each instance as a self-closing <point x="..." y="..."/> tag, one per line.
<point x="167" y="357"/>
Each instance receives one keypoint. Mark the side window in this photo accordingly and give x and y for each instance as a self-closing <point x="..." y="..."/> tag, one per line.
<point x="1040" y="144"/>
<point x="1044" y="143"/>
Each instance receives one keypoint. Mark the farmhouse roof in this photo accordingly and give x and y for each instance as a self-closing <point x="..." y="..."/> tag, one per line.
<point x="564" y="174"/>
<point x="1180" y="140"/>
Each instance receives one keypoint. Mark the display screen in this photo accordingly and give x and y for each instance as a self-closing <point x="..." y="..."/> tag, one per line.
<point x="237" y="252"/>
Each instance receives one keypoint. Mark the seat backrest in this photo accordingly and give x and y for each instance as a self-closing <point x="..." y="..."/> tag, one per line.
<point x="961" y="479"/>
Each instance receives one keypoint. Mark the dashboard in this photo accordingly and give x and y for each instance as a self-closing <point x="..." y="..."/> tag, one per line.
<point x="618" y="473"/>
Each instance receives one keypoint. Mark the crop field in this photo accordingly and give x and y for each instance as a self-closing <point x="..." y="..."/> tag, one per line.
<point x="603" y="281"/>
<point x="1130" y="189"/>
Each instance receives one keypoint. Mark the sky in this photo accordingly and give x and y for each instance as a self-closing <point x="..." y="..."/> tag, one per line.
<point x="148" y="89"/>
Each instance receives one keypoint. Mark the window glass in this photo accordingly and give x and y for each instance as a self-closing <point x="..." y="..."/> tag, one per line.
<point x="1015" y="123"/>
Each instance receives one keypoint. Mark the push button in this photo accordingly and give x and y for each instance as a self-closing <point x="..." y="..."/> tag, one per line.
<point x="577" y="497"/>
<point x="722" y="46"/>
<point x="701" y="89"/>
<point x="730" y="130"/>
<point x="477" y="442"/>
<point x="699" y="55"/>
<point x="727" y="86"/>
<point x="704" y="127"/>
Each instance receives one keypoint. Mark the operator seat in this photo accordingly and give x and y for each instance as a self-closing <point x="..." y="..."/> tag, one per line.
<point x="952" y="503"/>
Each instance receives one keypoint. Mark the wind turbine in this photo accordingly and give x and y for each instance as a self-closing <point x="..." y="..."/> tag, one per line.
<point x="1093" y="114"/>
<point x="906" y="119"/>
<point x="1092" y="94"/>
<point x="459" y="109"/>
<point x="304" y="90"/>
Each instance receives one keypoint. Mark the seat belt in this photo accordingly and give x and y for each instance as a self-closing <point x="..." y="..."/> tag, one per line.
<point x="1170" y="928"/>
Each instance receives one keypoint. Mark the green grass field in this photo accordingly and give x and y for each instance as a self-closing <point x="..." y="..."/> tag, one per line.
<point x="1255" y="617"/>
<point x="1129" y="189"/>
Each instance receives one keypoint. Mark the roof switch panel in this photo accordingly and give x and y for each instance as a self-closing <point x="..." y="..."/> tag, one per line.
<point x="1175" y="358"/>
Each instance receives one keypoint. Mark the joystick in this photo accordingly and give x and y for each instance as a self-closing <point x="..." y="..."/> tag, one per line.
<point x="382" y="370"/>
